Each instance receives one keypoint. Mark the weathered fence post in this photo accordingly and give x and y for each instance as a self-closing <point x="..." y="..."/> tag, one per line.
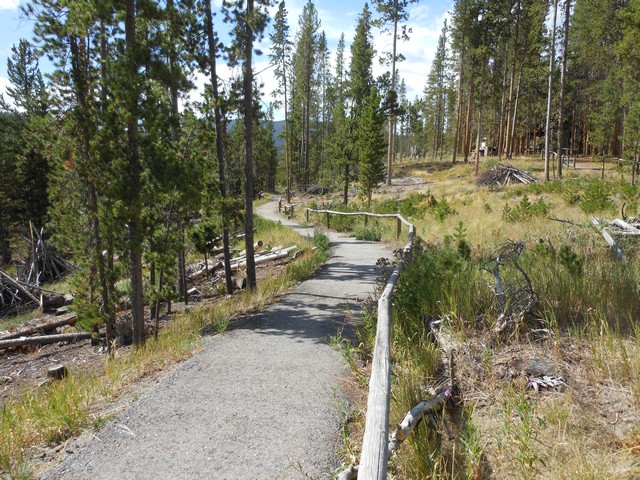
<point x="327" y="219"/>
<point x="307" y="215"/>
<point x="280" y="205"/>
<point x="398" y="228"/>
<point x="366" y="219"/>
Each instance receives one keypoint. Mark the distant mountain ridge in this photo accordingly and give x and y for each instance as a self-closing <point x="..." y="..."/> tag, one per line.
<point x="278" y="133"/>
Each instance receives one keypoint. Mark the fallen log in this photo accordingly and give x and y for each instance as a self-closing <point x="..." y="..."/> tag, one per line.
<point x="43" y="328"/>
<point x="350" y="473"/>
<point x="265" y="258"/>
<point x="609" y="239"/>
<point x="256" y="246"/>
<point x="44" y="340"/>
<point x="624" y="225"/>
<point x="427" y="408"/>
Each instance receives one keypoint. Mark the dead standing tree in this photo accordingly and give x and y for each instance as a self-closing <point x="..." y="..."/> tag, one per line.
<point x="514" y="292"/>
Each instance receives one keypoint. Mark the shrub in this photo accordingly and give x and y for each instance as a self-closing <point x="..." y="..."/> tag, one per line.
<point x="321" y="241"/>
<point x="571" y="260"/>
<point x="368" y="234"/>
<point x="442" y="210"/>
<point x="597" y="197"/>
<point x="571" y="193"/>
<point x="525" y="210"/>
<point x="412" y="205"/>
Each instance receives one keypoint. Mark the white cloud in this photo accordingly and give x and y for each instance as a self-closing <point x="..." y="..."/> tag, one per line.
<point x="425" y="20"/>
<point x="9" y="4"/>
<point x="419" y="50"/>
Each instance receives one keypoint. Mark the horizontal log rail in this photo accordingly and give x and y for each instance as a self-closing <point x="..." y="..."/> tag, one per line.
<point x="374" y="458"/>
<point x="399" y="218"/>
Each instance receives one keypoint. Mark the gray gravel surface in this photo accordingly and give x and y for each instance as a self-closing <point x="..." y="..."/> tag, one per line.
<point x="259" y="402"/>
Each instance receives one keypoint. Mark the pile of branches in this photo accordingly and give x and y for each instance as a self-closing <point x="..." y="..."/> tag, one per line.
<point x="17" y="296"/>
<point x="318" y="190"/>
<point x="502" y="174"/>
<point x="44" y="264"/>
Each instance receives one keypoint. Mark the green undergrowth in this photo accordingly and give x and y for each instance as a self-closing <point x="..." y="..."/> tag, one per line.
<point x="56" y="411"/>
<point x="585" y="297"/>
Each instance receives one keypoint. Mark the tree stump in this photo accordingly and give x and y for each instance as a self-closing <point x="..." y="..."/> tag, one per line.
<point x="57" y="372"/>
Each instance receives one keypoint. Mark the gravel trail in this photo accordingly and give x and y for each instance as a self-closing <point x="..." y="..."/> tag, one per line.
<point x="259" y="402"/>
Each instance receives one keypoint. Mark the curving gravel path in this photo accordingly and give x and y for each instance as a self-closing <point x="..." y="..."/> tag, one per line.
<point x="259" y="402"/>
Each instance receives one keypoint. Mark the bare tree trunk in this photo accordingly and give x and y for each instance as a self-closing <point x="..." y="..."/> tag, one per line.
<point x="503" y="105"/>
<point x="220" y="132"/>
<point x="345" y="196"/>
<point x="135" y="227"/>
<point x="515" y="115"/>
<point x="107" y="309"/>
<point x="479" y="132"/>
<point x="512" y="79"/>
<point x="634" y="166"/>
<point x="563" y="84"/>
<point x="287" y="156"/>
<point x="247" y="87"/>
<point x="547" y="131"/>
<point x="467" y="131"/>
<point x="392" y="117"/>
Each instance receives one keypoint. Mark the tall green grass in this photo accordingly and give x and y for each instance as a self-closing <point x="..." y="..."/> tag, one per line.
<point x="581" y="292"/>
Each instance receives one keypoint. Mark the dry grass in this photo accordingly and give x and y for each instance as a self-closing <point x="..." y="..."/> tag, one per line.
<point x="590" y="428"/>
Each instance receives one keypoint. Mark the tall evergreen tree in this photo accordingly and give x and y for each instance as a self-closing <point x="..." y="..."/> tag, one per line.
<point x="547" y="131"/>
<point x="249" y="24"/>
<point x="304" y="66"/>
<point x="28" y="95"/>
<point x="371" y="144"/>
<point x="212" y="51"/>
<point x="280" y="57"/>
<point x="393" y="12"/>
<point x="340" y="147"/>
<point x="360" y="84"/>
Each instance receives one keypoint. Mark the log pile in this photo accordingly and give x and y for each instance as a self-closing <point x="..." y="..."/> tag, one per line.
<point x="44" y="263"/>
<point x="17" y="296"/>
<point x="43" y="331"/>
<point x="215" y="272"/>
<point x="502" y="174"/>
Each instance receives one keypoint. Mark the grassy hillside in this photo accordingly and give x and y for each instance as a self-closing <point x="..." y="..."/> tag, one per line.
<point x="569" y="312"/>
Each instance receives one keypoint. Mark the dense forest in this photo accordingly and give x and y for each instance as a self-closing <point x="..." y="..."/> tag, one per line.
<point x="107" y="153"/>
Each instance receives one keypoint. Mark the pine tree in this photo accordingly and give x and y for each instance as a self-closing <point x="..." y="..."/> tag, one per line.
<point x="280" y="57"/>
<point x="28" y="95"/>
<point x="303" y="89"/>
<point x="371" y="144"/>
<point x="323" y="82"/>
<point x="212" y="50"/>
<point x="436" y="93"/>
<point x="547" y="132"/>
<point x="393" y="12"/>
<point x="249" y="24"/>
<point x="360" y="85"/>
<point x="340" y="147"/>
<point x="629" y="57"/>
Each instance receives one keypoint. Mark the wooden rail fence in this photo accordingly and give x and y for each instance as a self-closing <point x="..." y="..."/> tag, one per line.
<point x="375" y="446"/>
<point x="400" y="220"/>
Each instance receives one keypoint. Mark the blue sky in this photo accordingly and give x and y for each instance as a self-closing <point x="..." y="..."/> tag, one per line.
<point x="336" y="16"/>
